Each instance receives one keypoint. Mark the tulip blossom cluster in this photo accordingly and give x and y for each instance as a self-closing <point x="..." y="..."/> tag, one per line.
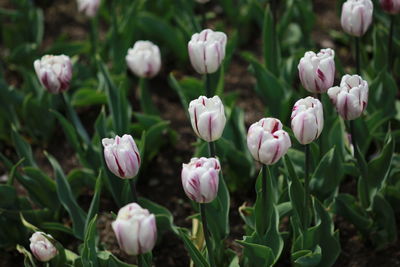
<point x="122" y="156"/>
<point x="207" y="50"/>
<point x="135" y="229"/>
<point x="144" y="59"/>
<point x="351" y="97"/>
<point x="54" y="72"/>
<point x="307" y="119"/>
<point x="89" y="7"/>
<point x="357" y="16"/>
<point x="200" y="179"/>
<point x="391" y="6"/>
<point x="207" y="117"/>
<point x="41" y="247"/>
<point x="267" y="141"/>
<point x="317" y="71"/>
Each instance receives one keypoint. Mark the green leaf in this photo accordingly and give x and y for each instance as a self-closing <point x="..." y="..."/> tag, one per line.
<point x="385" y="230"/>
<point x="88" y="97"/>
<point x="53" y="226"/>
<point x="28" y="258"/>
<point x="89" y="254"/>
<point x="146" y="103"/>
<point x="270" y="42"/>
<point x="256" y="254"/>
<point x="8" y="196"/>
<point x="308" y="257"/>
<point x="164" y="217"/>
<point x="94" y="205"/>
<point x="195" y="254"/>
<point x="67" y="199"/>
<point x="23" y="148"/>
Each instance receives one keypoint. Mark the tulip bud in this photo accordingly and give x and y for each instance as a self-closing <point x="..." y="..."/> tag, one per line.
<point x="54" y="72"/>
<point x="200" y="179"/>
<point x="41" y="247"/>
<point x="351" y="98"/>
<point x="207" y="117"/>
<point x="356" y="16"/>
<point x="307" y="119"/>
<point x="317" y="71"/>
<point x="122" y="156"/>
<point x="267" y="141"/>
<point x="135" y="229"/>
<point x="391" y="6"/>
<point x="207" y="50"/>
<point x="144" y="59"/>
<point x="89" y="7"/>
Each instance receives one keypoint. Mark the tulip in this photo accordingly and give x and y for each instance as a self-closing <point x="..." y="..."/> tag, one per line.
<point x="207" y="117"/>
<point x="207" y="50"/>
<point x="89" y="7"/>
<point x="122" y="156"/>
<point x="54" y="72"/>
<point x="391" y="6"/>
<point x="135" y="229"/>
<point x="351" y="97"/>
<point x="307" y="119"/>
<point x="200" y="179"/>
<point x="267" y="141"/>
<point x="317" y="71"/>
<point x="357" y="16"/>
<point x="41" y="247"/>
<point x="144" y="59"/>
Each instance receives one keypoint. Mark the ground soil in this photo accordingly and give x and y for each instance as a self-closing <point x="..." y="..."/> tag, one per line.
<point x="162" y="184"/>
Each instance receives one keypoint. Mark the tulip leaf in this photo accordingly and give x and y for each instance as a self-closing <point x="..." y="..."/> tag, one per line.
<point x="195" y="254"/>
<point x="164" y="218"/>
<point x="89" y="255"/>
<point x="256" y="254"/>
<point x="28" y="258"/>
<point x="88" y="97"/>
<point x="67" y="199"/>
<point x="270" y="42"/>
<point x="94" y="205"/>
<point x="23" y="148"/>
<point x="146" y="103"/>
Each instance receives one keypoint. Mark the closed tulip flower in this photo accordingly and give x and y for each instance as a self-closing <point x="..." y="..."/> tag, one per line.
<point x="41" y="247"/>
<point x="135" y="229"/>
<point x="207" y="117"/>
<point x="307" y="119"/>
<point x="317" y="71"/>
<point x="144" y="59"/>
<point x="200" y="179"/>
<point x="89" y="7"/>
<point x="391" y="6"/>
<point x="267" y="141"/>
<point x="122" y="156"/>
<point x="207" y="50"/>
<point x="357" y="16"/>
<point x="54" y="72"/>
<point x="351" y="97"/>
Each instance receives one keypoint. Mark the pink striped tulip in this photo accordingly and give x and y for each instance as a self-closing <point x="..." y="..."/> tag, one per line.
<point x="351" y="97"/>
<point x="357" y="16"/>
<point x="267" y="141"/>
<point x="200" y="179"/>
<point x="391" y="6"/>
<point x="307" y="119"/>
<point x="144" y="59"/>
<point x="135" y="229"/>
<point x="41" y="247"/>
<point x="122" y="156"/>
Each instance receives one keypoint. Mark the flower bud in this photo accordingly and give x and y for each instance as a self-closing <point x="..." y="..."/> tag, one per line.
<point x="41" y="247"/>
<point x="122" y="156"/>
<point x="200" y="179"/>
<point x="351" y="97"/>
<point x="89" y="7"/>
<point x="207" y="117"/>
<point x="267" y="141"/>
<point x="144" y="59"/>
<point x="135" y="229"/>
<point x="391" y="6"/>
<point x="356" y="16"/>
<point x="317" y="71"/>
<point x="307" y="119"/>
<point x="54" y="72"/>
<point x="207" y="50"/>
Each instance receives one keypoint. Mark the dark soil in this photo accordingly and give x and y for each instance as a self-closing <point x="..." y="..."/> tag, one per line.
<point x="162" y="184"/>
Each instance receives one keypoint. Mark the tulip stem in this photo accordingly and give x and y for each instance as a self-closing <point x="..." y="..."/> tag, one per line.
<point x="353" y="134"/>
<point x="211" y="149"/>
<point x="207" y="234"/>
<point x="306" y="185"/>
<point x="358" y="55"/>
<point x="133" y="189"/>
<point x="390" y="48"/>
<point x="93" y="37"/>
<point x="208" y="85"/>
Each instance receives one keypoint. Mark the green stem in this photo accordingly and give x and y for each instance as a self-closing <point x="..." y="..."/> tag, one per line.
<point x="390" y="48"/>
<point x="93" y="37"/>
<point x="208" y="85"/>
<point x="353" y="134"/>
<point x="211" y="149"/>
<point x="358" y="55"/>
<point x="75" y="119"/>
<point x="203" y="16"/>
<point x="306" y="185"/>
<point x="274" y="9"/>
<point x="207" y="234"/>
<point x="264" y="187"/>
<point x="133" y="190"/>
